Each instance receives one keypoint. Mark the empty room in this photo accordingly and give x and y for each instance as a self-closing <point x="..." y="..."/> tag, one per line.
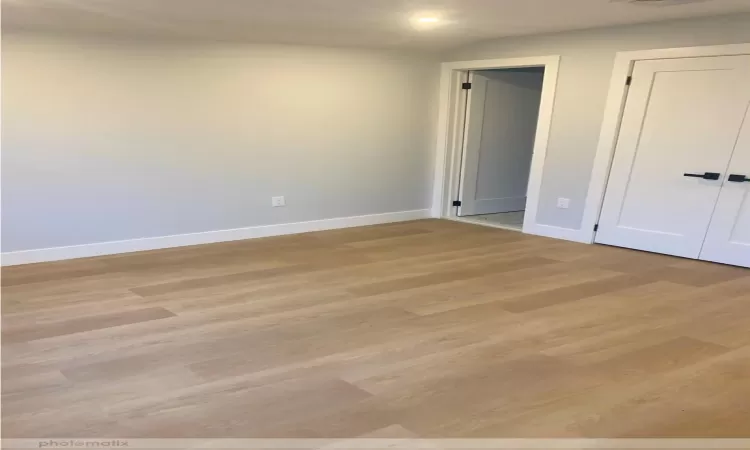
<point x="375" y="224"/>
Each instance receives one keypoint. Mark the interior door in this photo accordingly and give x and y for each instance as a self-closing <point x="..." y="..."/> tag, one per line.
<point x="502" y="114"/>
<point x="679" y="128"/>
<point x="728" y="238"/>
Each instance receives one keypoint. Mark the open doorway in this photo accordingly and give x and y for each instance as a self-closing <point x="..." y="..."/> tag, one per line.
<point x="494" y="125"/>
<point x="502" y="112"/>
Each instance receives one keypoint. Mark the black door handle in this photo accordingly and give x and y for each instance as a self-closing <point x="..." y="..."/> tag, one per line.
<point x="705" y="176"/>
<point x="738" y="178"/>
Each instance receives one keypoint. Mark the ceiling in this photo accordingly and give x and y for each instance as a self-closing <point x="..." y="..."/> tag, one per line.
<point x="365" y="23"/>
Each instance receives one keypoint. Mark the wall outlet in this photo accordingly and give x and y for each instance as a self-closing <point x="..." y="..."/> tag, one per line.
<point x="563" y="203"/>
<point x="278" y="201"/>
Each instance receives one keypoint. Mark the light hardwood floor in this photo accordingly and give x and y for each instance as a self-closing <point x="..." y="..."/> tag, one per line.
<point x="424" y="329"/>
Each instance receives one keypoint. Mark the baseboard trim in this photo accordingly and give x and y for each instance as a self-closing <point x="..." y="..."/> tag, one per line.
<point x="208" y="237"/>
<point x="568" y="234"/>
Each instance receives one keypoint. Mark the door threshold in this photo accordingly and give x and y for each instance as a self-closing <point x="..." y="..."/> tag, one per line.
<point x="485" y="223"/>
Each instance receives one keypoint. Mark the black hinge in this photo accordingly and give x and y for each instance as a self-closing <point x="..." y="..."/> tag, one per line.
<point x="628" y="80"/>
<point x="596" y="227"/>
<point x="466" y="86"/>
<point x="456" y="202"/>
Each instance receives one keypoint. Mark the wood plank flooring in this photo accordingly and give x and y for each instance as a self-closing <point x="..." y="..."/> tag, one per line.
<point x="424" y="329"/>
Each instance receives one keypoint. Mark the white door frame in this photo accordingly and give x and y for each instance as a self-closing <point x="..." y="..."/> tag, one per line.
<point x="451" y="124"/>
<point x="613" y="111"/>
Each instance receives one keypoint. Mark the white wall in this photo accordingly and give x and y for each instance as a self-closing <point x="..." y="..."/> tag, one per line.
<point x="585" y="70"/>
<point x="511" y="110"/>
<point x="116" y="141"/>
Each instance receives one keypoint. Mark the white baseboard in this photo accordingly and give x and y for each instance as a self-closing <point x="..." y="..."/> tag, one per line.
<point x="568" y="234"/>
<point x="208" y="237"/>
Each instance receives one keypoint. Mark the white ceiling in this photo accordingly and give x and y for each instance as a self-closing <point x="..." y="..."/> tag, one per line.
<point x="367" y="23"/>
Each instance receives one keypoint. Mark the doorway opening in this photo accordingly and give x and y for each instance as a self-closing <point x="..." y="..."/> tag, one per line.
<point x="502" y="111"/>
<point x="493" y="130"/>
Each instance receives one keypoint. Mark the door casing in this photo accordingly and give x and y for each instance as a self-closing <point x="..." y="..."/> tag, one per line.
<point x="451" y="115"/>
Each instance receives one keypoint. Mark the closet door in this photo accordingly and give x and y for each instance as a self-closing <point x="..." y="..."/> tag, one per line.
<point x="678" y="131"/>
<point x="728" y="238"/>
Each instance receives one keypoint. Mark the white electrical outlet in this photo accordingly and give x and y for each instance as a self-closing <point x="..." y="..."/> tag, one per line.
<point x="563" y="203"/>
<point x="278" y="201"/>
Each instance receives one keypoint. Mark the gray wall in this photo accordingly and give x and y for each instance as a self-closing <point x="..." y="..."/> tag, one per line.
<point x="585" y="69"/>
<point x="123" y="140"/>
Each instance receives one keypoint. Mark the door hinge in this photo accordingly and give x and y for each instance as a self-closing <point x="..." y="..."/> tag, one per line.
<point x="596" y="227"/>
<point x="628" y="80"/>
<point x="466" y="86"/>
<point x="456" y="202"/>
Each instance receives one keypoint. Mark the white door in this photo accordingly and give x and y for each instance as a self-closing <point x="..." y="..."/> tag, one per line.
<point x="728" y="238"/>
<point x="502" y="113"/>
<point x="681" y="122"/>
